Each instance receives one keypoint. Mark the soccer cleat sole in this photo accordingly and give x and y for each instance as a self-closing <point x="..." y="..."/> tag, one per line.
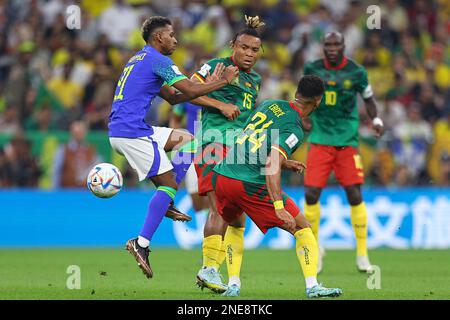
<point x="177" y="216"/>
<point x="367" y="271"/>
<point x="203" y="284"/>
<point x="333" y="295"/>
<point x="141" y="263"/>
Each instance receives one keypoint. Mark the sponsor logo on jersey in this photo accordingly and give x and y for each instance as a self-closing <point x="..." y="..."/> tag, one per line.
<point x="248" y="84"/>
<point x="331" y="83"/>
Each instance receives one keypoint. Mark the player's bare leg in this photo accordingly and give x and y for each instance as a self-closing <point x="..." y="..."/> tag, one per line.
<point x="139" y="247"/>
<point x="312" y="214"/>
<point x="359" y="223"/>
<point x="308" y="253"/>
<point x="176" y="141"/>
<point x="199" y="202"/>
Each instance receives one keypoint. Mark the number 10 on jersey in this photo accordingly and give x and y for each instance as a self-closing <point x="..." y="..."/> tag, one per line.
<point x="330" y="98"/>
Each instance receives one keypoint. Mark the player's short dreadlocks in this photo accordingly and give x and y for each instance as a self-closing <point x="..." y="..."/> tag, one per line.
<point x="253" y="25"/>
<point x="310" y="86"/>
<point x="153" y="23"/>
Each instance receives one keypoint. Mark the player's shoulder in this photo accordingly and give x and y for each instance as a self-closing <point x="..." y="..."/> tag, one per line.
<point x="353" y="65"/>
<point x="314" y="64"/>
<point x="256" y="76"/>
<point x="213" y="62"/>
<point x="281" y="109"/>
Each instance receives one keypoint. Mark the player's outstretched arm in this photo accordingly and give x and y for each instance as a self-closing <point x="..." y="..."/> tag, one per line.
<point x="230" y="111"/>
<point x="371" y="108"/>
<point x="192" y="90"/>
<point x="275" y="161"/>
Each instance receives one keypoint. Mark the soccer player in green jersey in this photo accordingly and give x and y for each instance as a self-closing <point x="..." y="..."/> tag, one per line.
<point x="217" y="134"/>
<point x="249" y="178"/>
<point x="334" y="139"/>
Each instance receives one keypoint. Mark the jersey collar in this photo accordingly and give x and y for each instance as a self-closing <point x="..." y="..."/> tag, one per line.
<point x="338" y="67"/>
<point x="299" y="111"/>
<point x="232" y="59"/>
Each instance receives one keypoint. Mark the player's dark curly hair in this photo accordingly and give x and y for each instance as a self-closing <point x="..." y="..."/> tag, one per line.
<point x="253" y="26"/>
<point x="310" y="86"/>
<point x="153" y="23"/>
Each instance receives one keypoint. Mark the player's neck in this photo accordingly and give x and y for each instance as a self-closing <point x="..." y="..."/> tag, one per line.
<point x="337" y="65"/>
<point x="155" y="46"/>
<point x="297" y="106"/>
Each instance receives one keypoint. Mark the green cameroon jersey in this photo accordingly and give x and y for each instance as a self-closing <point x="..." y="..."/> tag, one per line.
<point x="242" y="92"/>
<point x="336" y="121"/>
<point x="275" y="124"/>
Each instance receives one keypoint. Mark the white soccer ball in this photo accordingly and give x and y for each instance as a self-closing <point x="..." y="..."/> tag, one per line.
<point x="104" y="180"/>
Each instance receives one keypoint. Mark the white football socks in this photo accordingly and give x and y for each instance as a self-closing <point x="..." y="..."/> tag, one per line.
<point x="142" y="242"/>
<point x="311" y="282"/>
<point x="234" y="280"/>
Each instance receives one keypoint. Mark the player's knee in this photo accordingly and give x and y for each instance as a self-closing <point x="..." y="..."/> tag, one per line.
<point x="312" y="195"/>
<point x="239" y="222"/>
<point x="197" y="206"/>
<point x="354" y="195"/>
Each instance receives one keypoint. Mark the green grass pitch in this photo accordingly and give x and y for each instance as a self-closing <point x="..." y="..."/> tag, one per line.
<point x="266" y="274"/>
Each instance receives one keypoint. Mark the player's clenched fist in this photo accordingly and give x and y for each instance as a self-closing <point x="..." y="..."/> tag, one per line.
<point x="230" y="111"/>
<point x="286" y="217"/>
<point x="296" y="166"/>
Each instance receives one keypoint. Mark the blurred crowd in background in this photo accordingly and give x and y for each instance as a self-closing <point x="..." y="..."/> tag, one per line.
<point x="57" y="82"/>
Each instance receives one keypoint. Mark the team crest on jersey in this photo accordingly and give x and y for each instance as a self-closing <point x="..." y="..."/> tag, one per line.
<point x="347" y="84"/>
<point x="235" y="82"/>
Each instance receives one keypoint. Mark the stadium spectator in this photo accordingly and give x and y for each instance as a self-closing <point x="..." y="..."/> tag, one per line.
<point x="19" y="168"/>
<point x="411" y="140"/>
<point x="445" y="169"/>
<point x="42" y="120"/>
<point x="408" y="59"/>
<point x="18" y="82"/>
<point x="9" y="121"/>
<point x="74" y="159"/>
<point x="67" y="91"/>
<point x="3" y="169"/>
<point x="118" y="21"/>
<point x="396" y="16"/>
